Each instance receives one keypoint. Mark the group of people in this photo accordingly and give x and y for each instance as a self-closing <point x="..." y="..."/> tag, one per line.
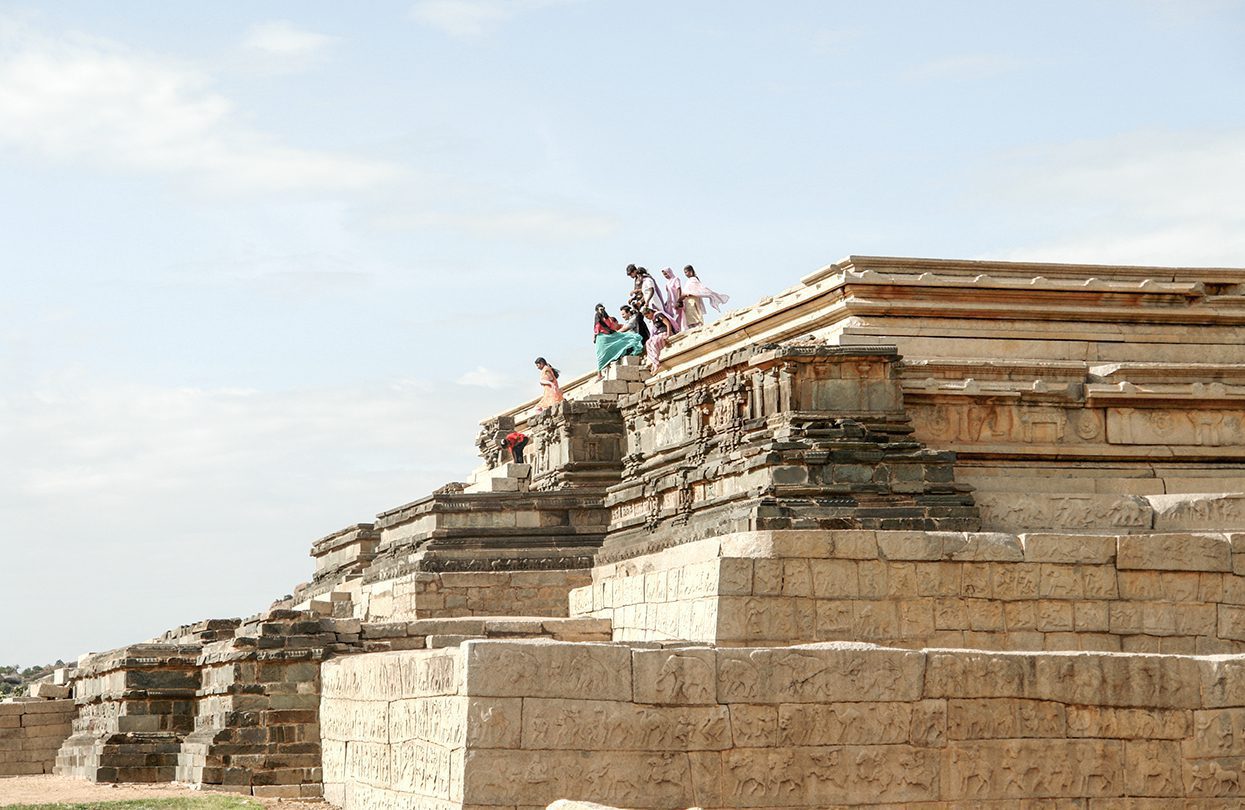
<point x="653" y="314"/>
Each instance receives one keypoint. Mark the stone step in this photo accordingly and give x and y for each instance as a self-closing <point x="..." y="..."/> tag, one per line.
<point x="508" y="477"/>
<point x="498" y="485"/>
<point x="629" y="369"/>
<point x="608" y="388"/>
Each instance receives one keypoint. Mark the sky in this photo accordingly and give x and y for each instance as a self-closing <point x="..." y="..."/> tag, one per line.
<point x="264" y="266"/>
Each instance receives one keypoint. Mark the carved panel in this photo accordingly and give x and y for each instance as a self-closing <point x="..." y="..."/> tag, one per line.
<point x="1200" y="428"/>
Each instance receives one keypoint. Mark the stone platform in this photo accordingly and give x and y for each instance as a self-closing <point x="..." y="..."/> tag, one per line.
<point x="911" y="533"/>
<point x="1147" y="593"/>
<point x="521" y="724"/>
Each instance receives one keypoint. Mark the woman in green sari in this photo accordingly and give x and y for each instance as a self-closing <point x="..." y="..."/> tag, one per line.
<point x="612" y="340"/>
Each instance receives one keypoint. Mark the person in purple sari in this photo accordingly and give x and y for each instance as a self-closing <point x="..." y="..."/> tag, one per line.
<point x="674" y="300"/>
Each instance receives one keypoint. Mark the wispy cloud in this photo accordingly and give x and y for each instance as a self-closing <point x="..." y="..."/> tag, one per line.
<point x="84" y="99"/>
<point x="483" y="377"/>
<point x="1150" y="198"/>
<point x="279" y="46"/>
<point x="284" y="38"/>
<point x="474" y="18"/>
<point x="967" y="66"/>
<point x="164" y="474"/>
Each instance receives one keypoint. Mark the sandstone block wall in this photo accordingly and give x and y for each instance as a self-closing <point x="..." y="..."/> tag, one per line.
<point x="427" y="595"/>
<point x="513" y="724"/>
<point x="1159" y="592"/>
<point x="31" y="732"/>
<point x="392" y="725"/>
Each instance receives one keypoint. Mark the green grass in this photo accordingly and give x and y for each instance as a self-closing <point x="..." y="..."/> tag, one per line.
<point x="192" y="803"/>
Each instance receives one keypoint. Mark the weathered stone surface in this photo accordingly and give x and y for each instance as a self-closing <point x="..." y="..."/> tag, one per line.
<point x="630" y="779"/>
<point x="594" y="725"/>
<point x="1069" y="548"/>
<point x="817" y="673"/>
<point x="548" y="669"/>
<point x="1034" y="769"/>
<point x="1175" y="552"/>
<point x="681" y="676"/>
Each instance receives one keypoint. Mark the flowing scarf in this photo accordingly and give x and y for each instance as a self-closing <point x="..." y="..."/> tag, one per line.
<point x="694" y="286"/>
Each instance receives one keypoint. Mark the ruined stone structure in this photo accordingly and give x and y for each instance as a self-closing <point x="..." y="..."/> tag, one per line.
<point x="913" y="532"/>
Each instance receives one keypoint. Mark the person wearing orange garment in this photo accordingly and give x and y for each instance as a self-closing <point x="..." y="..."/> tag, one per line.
<point x="551" y="392"/>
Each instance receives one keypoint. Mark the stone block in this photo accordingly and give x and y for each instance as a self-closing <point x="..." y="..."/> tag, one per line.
<point x="50" y="691"/>
<point x="1060" y="582"/>
<point x="1175" y="552"/>
<point x="872" y="578"/>
<point x="1223" y="681"/>
<point x="961" y="674"/>
<point x="834" y="579"/>
<point x="1195" y="511"/>
<point x="939" y="579"/>
<point x="597" y="725"/>
<point x="383" y="630"/>
<point x="367" y="762"/>
<point x="1032" y="769"/>
<point x="765" y="619"/>
<point x="1153" y="768"/>
<point x="1003" y="718"/>
<point x="1054" y="616"/>
<point x="682" y="676"/>
<point x="581" y="601"/>
<point x="735" y="575"/>
<point x="1091" y="617"/>
<point x="833" y="671"/>
<point x="910" y="545"/>
<point x="1013" y="581"/>
<point x="1069" y="548"/>
<point x="897" y="775"/>
<point x="536" y="778"/>
<point x="981" y="546"/>
<point x="421" y="768"/>
<point x="1139" y="724"/>
<point x="538" y="668"/>
<point x="1096" y="679"/>
<point x="856" y="545"/>
<point x="803" y="724"/>
<point x="754" y="726"/>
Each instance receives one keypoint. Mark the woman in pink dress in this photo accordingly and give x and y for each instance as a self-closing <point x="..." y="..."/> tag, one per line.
<point x="549" y="382"/>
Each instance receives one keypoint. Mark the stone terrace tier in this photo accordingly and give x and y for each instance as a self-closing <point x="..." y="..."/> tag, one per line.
<point x="135" y="705"/>
<point x="778" y="437"/>
<point x="32" y="730"/>
<point x="1150" y="592"/>
<point x="510" y="724"/>
<point x="1066" y="390"/>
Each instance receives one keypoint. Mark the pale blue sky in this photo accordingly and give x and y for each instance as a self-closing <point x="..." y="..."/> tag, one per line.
<point x="265" y="265"/>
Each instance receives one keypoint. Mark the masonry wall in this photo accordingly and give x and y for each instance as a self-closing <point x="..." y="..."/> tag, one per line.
<point x="511" y="724"/>
<point x="427" y="595"/>
<point x="31" y="731"/>
<point x="1159" y="592"/>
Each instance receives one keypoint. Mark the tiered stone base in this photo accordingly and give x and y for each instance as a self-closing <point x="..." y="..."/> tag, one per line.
<point x="135" y="705"/>
<point x="31" y="731"/>
<point x="1152" y="592"/>
<point x="428" y="595"/>
<point x="512" y="724"/>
